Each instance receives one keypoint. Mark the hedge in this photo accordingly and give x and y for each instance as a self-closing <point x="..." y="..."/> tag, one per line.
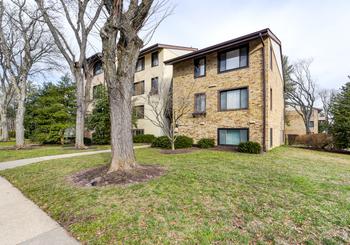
<point x="249" y="147"/>
<point x="206" y="143"/>
<point x="144" y="138"/>
<point x="180" y="142"/>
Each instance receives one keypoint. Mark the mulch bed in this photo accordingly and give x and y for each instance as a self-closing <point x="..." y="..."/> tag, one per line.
<point x="179" y="151"/>
<point x="99" y="176"/>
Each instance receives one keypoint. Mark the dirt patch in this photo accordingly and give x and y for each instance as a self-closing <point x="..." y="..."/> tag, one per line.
<point x="179" y="151"/>
<point x="99" y="176"/>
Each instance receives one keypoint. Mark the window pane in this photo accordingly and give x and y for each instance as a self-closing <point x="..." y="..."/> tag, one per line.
<point x="154" y="85"/>
<point x="244" y="135"/>
<point x="244" y="98"/>
<point x="244" y="57"/>
<point x="233" y="99"/>
<point x="232" y="59"/>
<point x="222" y="137"/>
<point x="199" y="67"/>
<point x="140" y="64"/>
<point x="233" y="137"/>
<point x="223" y="62"/>
<point x="155" y="60"/>
<point x="223" y="100"/>
<point x="200" y="103"/>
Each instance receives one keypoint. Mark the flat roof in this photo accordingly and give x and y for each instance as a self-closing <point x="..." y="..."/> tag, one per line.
<point x="223" y="45"/>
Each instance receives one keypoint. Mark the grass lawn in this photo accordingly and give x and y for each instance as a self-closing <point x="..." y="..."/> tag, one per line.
<point x="13" y="154"/>
<point x="287" y="196"/>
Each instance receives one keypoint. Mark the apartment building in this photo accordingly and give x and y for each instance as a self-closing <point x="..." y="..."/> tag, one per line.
<point x="234" y="91"/>
<point x="152" y="75"/>
<point x="295" y="124"/>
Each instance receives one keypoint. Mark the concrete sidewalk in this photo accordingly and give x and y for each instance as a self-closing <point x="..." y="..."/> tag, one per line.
<point x="22" y="162"/>
<point x="22" y="222"/>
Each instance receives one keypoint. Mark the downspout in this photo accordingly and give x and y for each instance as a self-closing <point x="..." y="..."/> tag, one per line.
<point x="264" y="91"/>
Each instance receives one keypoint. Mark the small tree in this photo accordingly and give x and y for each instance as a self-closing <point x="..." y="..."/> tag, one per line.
<point x="326" y="96"/>
<point x="301" y="91"/>
<point x="163" y="115"/>
<point x="340" y="109"/>
<point x="50" y="111"/>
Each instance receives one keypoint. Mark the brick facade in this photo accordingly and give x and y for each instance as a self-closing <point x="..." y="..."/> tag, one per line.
<point x="251" y="77"/>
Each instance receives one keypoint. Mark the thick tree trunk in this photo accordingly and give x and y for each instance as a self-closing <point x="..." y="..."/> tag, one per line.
<point x="20" y="120"/>
<point x="120" y="82"/>
<point x="4" y="125"/>
<point x="80" y="117"/>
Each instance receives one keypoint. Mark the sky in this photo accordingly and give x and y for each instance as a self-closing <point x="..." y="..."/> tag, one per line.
<point x="307" y="29"/>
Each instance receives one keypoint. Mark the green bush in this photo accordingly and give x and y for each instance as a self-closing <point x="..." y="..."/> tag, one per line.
<point x="180" y="143"/>
<point x="87" y="141"/>
<point x="144" y="138"/>
<point x="162" y="142"/>
<point x="249" y="147"/>
<point x="183" y="142"/>
<point x="206" y="143"/>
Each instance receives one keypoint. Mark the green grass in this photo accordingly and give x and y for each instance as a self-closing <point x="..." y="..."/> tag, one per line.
<point x="287" y="196"/>
<point x="13" y="154"/>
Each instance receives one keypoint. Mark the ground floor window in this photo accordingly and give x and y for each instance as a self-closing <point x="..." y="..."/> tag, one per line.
<point x="232" y="136"/>
<point x="137" y="131"/>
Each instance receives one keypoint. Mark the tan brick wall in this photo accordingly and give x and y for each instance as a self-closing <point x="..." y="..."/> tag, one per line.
<point x="275" y="113"/>
<point x="295" y="124"/>
<point x="213" y="82"/>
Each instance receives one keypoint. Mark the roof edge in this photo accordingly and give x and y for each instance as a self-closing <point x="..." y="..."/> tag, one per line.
<point x="226" y="44"/>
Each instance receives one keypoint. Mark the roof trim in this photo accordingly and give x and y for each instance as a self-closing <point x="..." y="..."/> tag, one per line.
<point x="147" y="50"/>
<point x="165" y="46"/>
<point x="223" y="45"/>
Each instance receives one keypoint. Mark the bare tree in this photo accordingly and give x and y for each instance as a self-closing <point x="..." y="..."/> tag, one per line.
<point x="162" y="114"/>
<point x="6" y="94"/>
<point x="27" y="50"/>
<point x="326" y="96"/>
<point x="81" y="17"/>
<point x="121" y="40"/>
<point x="302" y="92"/>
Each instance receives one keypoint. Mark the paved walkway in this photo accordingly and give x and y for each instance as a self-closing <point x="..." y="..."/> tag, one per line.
<point x="22" y="162"/>
<point x="23" y="222"/>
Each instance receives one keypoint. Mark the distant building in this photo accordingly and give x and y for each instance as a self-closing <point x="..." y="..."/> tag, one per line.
<point x="295" y="124"/>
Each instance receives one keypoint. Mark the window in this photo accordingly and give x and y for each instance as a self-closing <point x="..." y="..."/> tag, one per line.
<point x="199" y="67"/>
<point x="233" y="59"/>
<point x="97" y="91"/>
<point x="97" y="68"/>
<point x="271" y="99"/>
<point x="140" y="64"/>
<point x="139" y="111"/>
<point x="139" y="88"/>
<point x="199" y="103"/>
<point x="271" y="137"/>
<point x="234" y="99"/>
<point x="137" y="131"/>
<point x="154" y="85"/>
<point x="155" y="59"/>
<point x="232" y="136"/>
<point x="311" y="124"/>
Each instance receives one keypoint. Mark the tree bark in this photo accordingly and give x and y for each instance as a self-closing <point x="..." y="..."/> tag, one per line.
<point x="80" y="117"/>
<point x="4" y="125"/>
<point x="119" y="83"/>
<point x="20" y="119"/>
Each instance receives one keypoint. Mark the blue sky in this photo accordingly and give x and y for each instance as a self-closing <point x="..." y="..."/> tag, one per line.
<point x="307" y="29"/>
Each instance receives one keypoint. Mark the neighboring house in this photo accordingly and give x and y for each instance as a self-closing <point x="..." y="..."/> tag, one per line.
<point x="295" y="124"/>
<point x="236" y="91"/>
<point x="151" y="75"/>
